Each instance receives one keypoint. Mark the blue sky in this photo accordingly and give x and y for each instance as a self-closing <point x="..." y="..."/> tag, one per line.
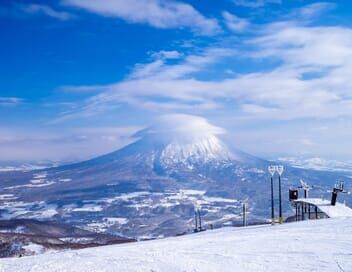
<point x="79" y="77"/>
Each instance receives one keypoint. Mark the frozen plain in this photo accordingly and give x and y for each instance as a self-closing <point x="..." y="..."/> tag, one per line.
<point x="316" y="245"/>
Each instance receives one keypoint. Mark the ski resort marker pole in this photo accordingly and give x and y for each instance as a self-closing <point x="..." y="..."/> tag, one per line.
<point x="195" y="220"/>
<point x="197" y="217"/>
<point x="244" y="213"/>
<point x="272" y="170"/>
<point x="280" y="170"/>
<point x="200" y="220"/>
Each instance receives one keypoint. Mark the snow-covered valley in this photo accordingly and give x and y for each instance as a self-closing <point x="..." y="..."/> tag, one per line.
<point x="316" y="245"/>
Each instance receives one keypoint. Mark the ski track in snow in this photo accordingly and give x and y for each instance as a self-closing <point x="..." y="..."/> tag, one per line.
<point x="319" y="245"/>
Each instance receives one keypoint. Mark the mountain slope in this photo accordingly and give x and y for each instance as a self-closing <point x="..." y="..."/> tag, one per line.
<point x="289" y="247"/>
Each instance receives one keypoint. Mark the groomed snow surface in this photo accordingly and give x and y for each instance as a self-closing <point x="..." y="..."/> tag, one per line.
<point x="316" y="245"/>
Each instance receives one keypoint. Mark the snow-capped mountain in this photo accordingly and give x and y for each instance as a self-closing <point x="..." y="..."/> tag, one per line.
<point x="189" y="144"/>
<point x="187" y="140"/>
<point x="201" y="150"/>
<point x="150" y="187"/>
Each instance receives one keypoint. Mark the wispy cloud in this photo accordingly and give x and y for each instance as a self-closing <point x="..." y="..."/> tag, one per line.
<point x="255" y="3"/>
<point x="10" y="101"/>
<point x="158" y="86"/>
<point x="314" y="9"/>
<point x="235" y="23"/>
<point x="167" y="54"/>
<point x="46" y="10"/>
<point x="157" y="13"/>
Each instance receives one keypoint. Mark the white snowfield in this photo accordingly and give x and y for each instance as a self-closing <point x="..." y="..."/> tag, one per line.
<point x="316" y="245"/>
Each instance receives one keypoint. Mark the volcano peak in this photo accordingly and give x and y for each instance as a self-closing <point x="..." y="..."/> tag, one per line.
<point x="182" y="138"/>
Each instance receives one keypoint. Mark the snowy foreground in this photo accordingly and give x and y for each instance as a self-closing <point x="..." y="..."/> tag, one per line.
<point x="319" y="245"/>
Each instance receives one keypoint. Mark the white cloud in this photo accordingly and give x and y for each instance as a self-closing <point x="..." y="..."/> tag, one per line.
<point x="313" y="10"/>
<point x="157" y="13"/>
<point x="47" y="10"/>
<point x="255" y="3"/>
<point x="286" y="92"/>
<point x="158" y="86"/>
<point x="235" y="23"/>
<point x="165" y="54"/>
<point x="307" y="46"/>
<point x="10" y="101"/>
<point x="183" y="127"/>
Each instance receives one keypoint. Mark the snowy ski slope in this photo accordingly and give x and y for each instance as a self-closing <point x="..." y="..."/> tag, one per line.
<point x="316" y="245"/>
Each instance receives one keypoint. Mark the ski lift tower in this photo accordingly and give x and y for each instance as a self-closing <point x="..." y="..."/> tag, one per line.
<point x="339" y="188"/>
<point x="323" y="208"/>
<point x="306" y="188"/>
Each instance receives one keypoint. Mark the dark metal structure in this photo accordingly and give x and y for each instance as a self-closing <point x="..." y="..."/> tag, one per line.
<point x="306" y="211"/>
<point x="339" y="188"/>
<point x="272" y="201"/>
<point x="244" y="207"/>
<point x="197" y="221"/>
<point x="280" y="170"/>
<point x="280" y="202"/>
<point x="272" y="170"/>
<point x="293" y="194"/>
